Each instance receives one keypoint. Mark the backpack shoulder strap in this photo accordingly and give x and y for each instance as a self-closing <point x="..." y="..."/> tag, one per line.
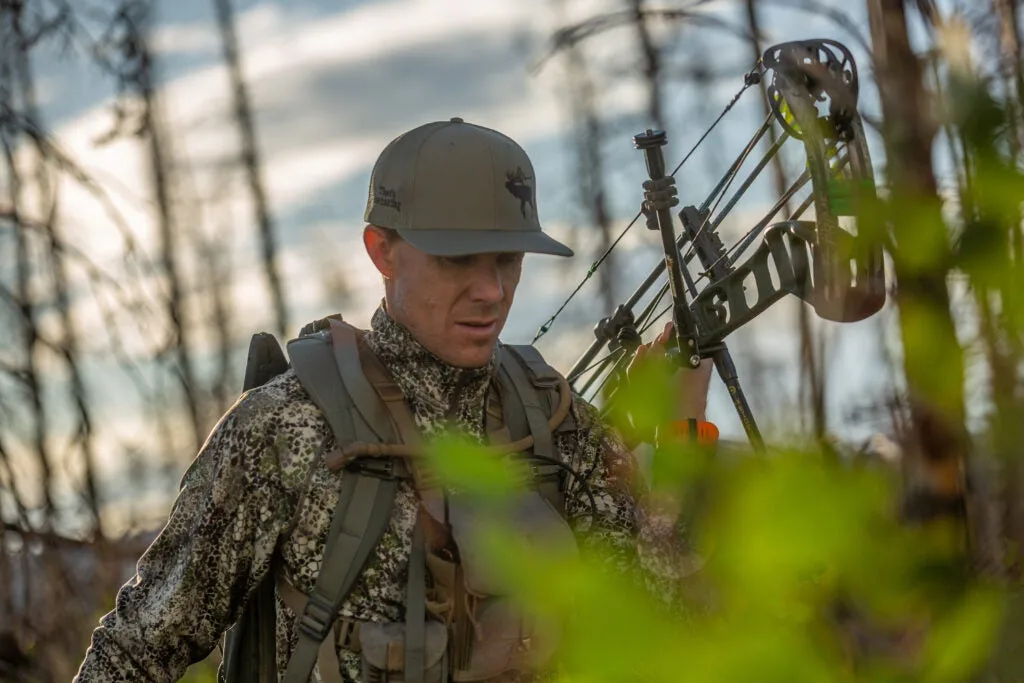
<point x="364" y="504"/>
<point x="379" y="400"/>
<point x="528" y="395"/>
<point x="524" y="374"/>
<point x="313" y="360"/>
<point x="525" y="401"/>
<point x="545" y="379"/>
<point x="359" y="520"/>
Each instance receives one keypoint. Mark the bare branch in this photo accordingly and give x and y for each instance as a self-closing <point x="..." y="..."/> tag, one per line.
<point x="573" y="34"/>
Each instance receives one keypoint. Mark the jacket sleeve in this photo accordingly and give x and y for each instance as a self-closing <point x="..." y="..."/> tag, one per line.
<point x="192" y="582"/>
<point x="630" y="534"/>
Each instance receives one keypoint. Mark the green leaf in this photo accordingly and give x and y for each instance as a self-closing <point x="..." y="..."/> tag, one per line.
<point x="962" y="641"/>
<point x="467" y="467"/>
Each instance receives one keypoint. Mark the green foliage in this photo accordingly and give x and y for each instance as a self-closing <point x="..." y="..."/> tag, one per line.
<point x="456" y="461"/>
<point x="639" y="406"/>
<point x="203" y="672"/>
<point x="808" y="575"/>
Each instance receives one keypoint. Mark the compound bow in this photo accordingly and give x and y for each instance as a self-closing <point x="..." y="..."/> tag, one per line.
<point x="841" y="275"/>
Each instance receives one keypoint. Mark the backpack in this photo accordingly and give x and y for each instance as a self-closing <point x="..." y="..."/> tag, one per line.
<point x="364" y="406"/>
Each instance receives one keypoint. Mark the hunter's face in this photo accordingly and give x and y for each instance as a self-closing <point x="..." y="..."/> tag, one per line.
<point x="454" y="306"/>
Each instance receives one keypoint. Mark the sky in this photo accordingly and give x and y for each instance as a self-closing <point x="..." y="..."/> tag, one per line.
<point x="333" y="82"/>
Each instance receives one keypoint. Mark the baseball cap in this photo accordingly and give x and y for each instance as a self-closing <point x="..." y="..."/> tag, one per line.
<point x="452" y="188"/>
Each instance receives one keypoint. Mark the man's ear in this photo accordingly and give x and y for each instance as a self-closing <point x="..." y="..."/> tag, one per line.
<point x="381" y="250"/>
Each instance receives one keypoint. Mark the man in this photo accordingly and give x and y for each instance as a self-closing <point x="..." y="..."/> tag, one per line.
<point x="451" y="211"/>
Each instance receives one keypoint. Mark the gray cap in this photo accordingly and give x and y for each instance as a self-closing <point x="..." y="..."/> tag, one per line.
<point x="451" y="188"/>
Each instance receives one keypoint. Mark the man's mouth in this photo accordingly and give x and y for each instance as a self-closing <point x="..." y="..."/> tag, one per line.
<point x="479" y="327"/>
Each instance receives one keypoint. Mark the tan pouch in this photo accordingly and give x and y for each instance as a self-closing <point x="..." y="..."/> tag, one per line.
<point x="383" y="652"/>
<point x="505" y="639"/>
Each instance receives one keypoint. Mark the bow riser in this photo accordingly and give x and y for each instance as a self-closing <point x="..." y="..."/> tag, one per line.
<point x="723" y="306"/>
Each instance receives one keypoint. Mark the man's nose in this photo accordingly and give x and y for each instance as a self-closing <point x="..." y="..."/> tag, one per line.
<point x="487" y="285"/>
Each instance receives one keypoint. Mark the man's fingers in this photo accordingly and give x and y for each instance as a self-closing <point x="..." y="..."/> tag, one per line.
<point x="657" y="347"/>
<point x="666" y="334"/>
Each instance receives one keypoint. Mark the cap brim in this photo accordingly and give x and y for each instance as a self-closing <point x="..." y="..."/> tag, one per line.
<point x="465" y="242"/>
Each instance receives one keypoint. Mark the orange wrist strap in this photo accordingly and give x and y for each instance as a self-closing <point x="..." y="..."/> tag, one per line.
<point x="700" y="431"/>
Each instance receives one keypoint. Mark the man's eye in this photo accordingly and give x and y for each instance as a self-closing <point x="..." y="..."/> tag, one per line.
<point x="458" y="261"/>
<point x="509" y="259"/>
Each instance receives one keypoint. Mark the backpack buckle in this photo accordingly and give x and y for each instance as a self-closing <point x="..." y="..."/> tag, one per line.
<point x="382" y="468"/>
<point x="316" y="617"/>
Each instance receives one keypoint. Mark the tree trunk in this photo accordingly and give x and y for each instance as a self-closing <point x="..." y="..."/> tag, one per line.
<point x="161" y="177"/>
<point x="56" y="259"/>
<point x="24" y="258"/>
<point x="1007" y="434"/>
<point x="251" y="161"/>
<point x="651" y="60"/>
<point x="932" y="359"/>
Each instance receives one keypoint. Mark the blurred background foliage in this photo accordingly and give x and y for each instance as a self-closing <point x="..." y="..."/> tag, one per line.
<point x="800" y="570"/>
<point x="899" y="559"/>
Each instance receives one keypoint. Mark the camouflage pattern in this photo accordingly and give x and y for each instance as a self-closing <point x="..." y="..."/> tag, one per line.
<point x="259" y="483"/>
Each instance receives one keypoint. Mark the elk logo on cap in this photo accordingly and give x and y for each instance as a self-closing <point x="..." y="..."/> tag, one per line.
<point x="515" y="183"/>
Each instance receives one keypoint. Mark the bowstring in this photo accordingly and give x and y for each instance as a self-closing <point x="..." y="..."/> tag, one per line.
<point x="590" y="272"/>
<point x="748" y="81"/>
<point x="600" y="361"/>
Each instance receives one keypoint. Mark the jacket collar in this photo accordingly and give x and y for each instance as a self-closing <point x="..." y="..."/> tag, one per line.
<point x="440" y="395"/>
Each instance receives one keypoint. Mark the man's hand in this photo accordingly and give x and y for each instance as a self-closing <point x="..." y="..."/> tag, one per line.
<point x="691" y="385"/>
<point x="691" y="392"/>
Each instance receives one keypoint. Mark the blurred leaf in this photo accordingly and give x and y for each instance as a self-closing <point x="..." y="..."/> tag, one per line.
<point x="961" y="642"/>
<point x="936" y="367"/>
<point x="464" y="466"/>
<point x="645" y="400"/>
<point x="922" y="239"/>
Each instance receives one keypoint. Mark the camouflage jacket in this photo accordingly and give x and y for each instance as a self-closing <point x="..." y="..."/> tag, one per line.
<point x="259" y="484"/>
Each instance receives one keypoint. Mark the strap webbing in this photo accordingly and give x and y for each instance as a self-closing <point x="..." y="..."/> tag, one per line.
<point x="498" y="432"/>
<point x="389" y="394"/>
<point x="327" y="656"/>
<point x="360" y="518"/>
<point x="519" y="421"/>
<point x="346" y="356"/>
<point x="536" y="415"/>
<point x="416" y="608"/>
<point x="416" y="586"/>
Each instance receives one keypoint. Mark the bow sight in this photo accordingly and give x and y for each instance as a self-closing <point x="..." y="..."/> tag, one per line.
<point x="841" y="275"/>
